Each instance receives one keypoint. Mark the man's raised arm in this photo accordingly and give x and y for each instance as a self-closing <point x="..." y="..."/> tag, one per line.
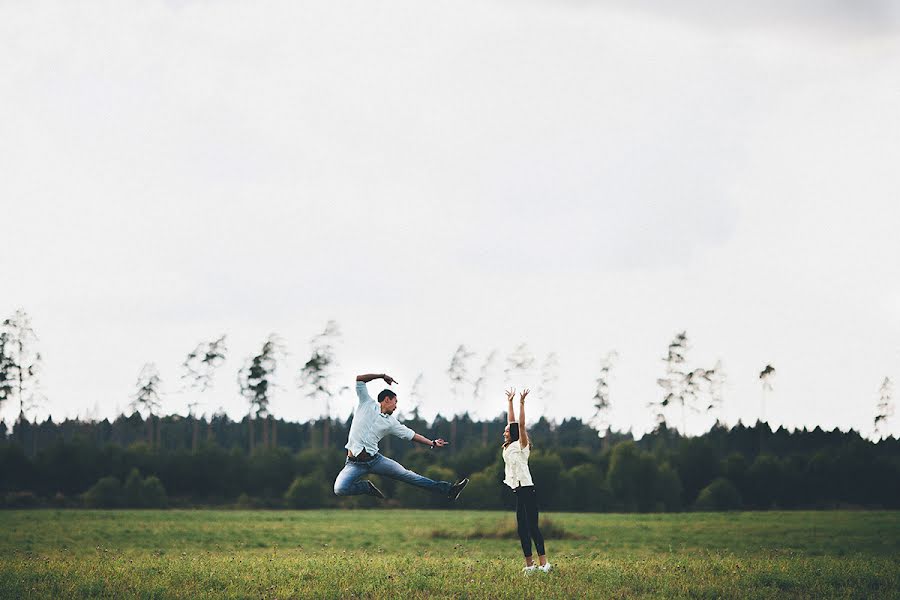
<point x="371" y="376"/>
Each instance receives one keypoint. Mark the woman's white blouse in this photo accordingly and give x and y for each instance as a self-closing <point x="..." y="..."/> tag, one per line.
<point x="516" y="459"/>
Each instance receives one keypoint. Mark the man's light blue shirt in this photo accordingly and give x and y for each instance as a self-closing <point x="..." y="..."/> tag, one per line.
<point x="370" y="424"/>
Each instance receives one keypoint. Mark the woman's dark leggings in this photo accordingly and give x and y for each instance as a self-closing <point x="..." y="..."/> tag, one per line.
<point x="527" y="518"/>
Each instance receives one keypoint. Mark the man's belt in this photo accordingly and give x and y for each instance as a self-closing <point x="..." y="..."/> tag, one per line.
<point x="361" y="457"/>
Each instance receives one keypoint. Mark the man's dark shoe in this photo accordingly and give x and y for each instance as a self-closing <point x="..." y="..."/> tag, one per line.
<point x="374" y="491"/>
<point x="457" y="488"/>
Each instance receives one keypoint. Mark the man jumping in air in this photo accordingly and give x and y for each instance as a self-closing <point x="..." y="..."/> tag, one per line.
<point x="371" y="422"/>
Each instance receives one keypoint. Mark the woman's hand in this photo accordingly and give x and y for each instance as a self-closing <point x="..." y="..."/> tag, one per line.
<point x="510" y="394"/>
<point x="522" y="395"/>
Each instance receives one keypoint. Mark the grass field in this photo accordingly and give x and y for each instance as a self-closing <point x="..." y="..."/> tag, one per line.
<point x="429" y="554"/>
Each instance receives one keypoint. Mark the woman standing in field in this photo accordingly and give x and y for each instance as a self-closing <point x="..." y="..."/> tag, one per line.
<point x="516" y="449"/>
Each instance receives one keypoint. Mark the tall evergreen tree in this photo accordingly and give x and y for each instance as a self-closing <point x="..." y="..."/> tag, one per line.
<point x="20" y="364"/>
<point x="7" y="369"/>
<point x="674" y="380"/>
<point x="198" y="370"/>
<point x="717" y="378"/>
<point x="484" y="374"/>
<point x="316" y="377"/>
<point x="695" y="397"/>
<point x="549" y="378"/>
<point x="256" y="380"/>
<point x="601" y="397"/>
<point x="416" y="395"/>
<point x="696" y="390"/>
<point x="458" y="372"/>
<point x="147" y="398"/>
<point x="885" y="407"/>
<point x="766" y="379"/>
<point x="518" y="364"/>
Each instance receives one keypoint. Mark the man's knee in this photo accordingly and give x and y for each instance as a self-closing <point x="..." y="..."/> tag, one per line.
<point x="340" y="489"/>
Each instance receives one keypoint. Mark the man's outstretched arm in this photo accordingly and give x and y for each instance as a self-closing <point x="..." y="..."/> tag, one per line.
<point x="372" y="376"/>
<point x="438" y="443"/>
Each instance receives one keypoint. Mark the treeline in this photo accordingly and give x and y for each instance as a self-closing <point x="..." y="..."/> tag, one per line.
<point x="102" y="464"/>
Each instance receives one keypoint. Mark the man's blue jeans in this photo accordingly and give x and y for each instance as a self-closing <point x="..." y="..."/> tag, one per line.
<point x="348" y="483"/>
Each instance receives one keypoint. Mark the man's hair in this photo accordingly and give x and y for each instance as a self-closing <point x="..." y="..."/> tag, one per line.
<point x="386" y="394"/>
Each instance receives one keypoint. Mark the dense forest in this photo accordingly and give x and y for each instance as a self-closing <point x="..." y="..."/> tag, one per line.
<point x="145" y="459"/>
<point x="178" y="461"/>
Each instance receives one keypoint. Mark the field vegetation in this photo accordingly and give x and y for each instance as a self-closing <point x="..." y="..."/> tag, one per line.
<point x="444" y="554"/>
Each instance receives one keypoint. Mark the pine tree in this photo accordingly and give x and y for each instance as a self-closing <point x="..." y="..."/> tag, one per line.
<point x="549" y="378"/>
<point x="199" y="368"/>
<point x="458" y="372"/>
<point x="484" y="374"/>
<point x="518" y="364"/>
<point x="674" y="380"/>
<point x="255" y="381"/>
<point x="20" y="364"/>
<point x="416" y="396"/>
<point x="7" y="369"/>
<point x="717" y="378"/>
<point x="601" y="397"/>
<point x="766" y="378"/>
<point x="147" y="397"/>
<point x="885" y="407"/>
<point x="317" y="374"/>
<point x="696" y="390"/>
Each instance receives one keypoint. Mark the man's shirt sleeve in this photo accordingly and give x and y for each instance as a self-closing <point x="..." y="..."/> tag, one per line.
<point x="401" y="430"/>
<point x="363" y="392"/>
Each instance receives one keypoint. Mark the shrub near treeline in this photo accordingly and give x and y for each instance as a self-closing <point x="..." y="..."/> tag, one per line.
<point x="137" y="492"/>
<point x="741" y="468"/>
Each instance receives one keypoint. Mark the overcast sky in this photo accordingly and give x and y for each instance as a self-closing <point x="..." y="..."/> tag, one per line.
<point x="582" y="177"/>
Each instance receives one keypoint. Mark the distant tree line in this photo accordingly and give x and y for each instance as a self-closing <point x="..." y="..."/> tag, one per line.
<point x="687" y="388"/>
<point x="147" y="459"/>
<point x="111" y="464"/>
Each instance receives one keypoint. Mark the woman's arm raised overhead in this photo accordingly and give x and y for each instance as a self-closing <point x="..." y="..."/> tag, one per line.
<point x="523" y="433"/>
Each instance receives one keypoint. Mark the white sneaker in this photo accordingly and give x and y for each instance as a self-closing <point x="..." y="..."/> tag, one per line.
<point x="546" y="568"/>
<point x="530" y="570"/>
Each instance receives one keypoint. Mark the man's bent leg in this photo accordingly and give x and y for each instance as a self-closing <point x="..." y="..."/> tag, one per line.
<point x="383" y="465"/>
<point x="347" y="482"/>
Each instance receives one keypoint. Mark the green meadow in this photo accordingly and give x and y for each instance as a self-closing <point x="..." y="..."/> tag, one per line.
<point x="445" y="554"/>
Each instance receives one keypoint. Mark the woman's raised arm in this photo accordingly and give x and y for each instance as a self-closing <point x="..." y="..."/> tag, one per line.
<point x="523" y="433"/>
<point x="510" y="415"/>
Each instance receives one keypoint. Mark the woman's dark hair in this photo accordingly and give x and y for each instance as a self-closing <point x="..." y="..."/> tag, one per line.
<point x="514" y="432"/>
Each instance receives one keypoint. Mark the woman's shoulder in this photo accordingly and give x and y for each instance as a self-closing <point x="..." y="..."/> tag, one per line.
<point x="516" y="447"/>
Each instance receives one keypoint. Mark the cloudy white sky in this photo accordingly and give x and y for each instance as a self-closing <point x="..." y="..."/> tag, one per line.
<point x="579" y="176"/>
